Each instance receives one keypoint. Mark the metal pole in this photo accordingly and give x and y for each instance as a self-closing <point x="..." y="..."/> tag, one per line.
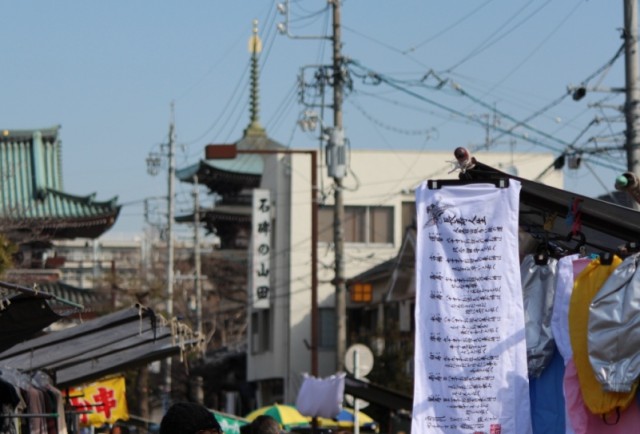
<point x="338" y="219"/>
<point x="631" y="86"/>
<point x="314" y="263"/>
<point x="170" y="247"/>
<point x="356" y="403"/>
<point x="196" y="253"/>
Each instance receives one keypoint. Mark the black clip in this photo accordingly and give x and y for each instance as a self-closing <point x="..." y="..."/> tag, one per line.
<point x="541" y="256"/>
<point x="436" y="184"/>
<point x="582" y="240"/>
<point x="632" y="247"/>
<point x="606" y="258"/>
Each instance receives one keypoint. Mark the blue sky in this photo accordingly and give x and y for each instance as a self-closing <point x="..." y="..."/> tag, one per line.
<point x="107" y="72"/>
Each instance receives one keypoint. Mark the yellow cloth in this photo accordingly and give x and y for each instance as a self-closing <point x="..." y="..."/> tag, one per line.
<point x="105" y="399"/>
<point x="586" y="286"/>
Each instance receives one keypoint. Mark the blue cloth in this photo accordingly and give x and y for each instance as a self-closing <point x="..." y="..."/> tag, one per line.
<point x="547" y="399"/>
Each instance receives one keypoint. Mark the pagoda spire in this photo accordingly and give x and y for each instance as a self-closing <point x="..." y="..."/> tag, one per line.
<point x="255" y="47"/>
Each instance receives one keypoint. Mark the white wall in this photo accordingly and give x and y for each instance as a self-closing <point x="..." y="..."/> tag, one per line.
<point x="379" y="178"/>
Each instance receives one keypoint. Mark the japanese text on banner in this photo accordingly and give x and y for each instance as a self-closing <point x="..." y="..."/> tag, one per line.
<point x="470" y="352"/>
<point x="261" y="248"/>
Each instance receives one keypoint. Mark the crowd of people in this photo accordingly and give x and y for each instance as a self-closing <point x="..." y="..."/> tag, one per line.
<point x="192" y="418"/>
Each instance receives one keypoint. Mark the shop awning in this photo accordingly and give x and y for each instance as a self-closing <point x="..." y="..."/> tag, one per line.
<point x="605" y="225"/>
<point x="24" y="317"/>
<point x="25" y="312"/>
<point x="110" y="344"/>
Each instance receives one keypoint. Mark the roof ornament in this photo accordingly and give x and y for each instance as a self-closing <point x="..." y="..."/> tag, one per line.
<point x="255" y="47"/>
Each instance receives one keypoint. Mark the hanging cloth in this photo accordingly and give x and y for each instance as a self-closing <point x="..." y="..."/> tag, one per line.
<point x="569" y="267"/>
<point x="10" y="403"/>
<point x="321" y="397"/>
<point x="614" y="321"/>
<point x="470" y="345"/>
<point x="538" y="290"/>
<point x="548" y="411"/>
<point x="597" y="400"/>
<point x="585" y="422"/>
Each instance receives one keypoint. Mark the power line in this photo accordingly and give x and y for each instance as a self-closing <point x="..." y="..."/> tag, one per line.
<point x="393" y="83"/>
<point x="446" y="29"/>
<point x="487" y="42"/>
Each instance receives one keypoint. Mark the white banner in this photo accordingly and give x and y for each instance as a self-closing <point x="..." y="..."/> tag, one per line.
<point x="470" y="350"/>
<point x="261" y="248"/>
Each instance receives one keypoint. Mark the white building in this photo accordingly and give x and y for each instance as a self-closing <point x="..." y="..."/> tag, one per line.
<point x="379" y="204"/>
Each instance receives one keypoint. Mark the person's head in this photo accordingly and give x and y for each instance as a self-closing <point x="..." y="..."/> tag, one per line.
<point x="264" y="424"/>
<point x="189" y="418"/>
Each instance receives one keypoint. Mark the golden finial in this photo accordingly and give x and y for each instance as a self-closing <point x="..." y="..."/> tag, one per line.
<point x="255" y="44"/>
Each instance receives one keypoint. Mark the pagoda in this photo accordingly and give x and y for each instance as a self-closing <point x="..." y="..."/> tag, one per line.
<point x="233" y="180"/>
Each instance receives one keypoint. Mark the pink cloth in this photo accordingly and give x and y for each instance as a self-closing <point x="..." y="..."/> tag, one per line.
<point x="585" y="422"/>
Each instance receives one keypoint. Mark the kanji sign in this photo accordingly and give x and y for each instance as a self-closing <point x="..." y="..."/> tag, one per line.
<point x="104" y="401"/>
<point x="261" y="249"/>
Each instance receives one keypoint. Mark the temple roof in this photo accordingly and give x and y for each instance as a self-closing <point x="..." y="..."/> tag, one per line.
<point x="32" y="197"/>
<point x="231" y="176"/>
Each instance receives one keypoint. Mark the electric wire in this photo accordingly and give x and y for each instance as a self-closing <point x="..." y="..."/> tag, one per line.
<point x="488" y="42"/>
<point x="414" y="132"/>
<point x="447" y="28"/>
<point x="398" y="84"/>
<point x="393" y="83"/>
<point x="529" y="55"/>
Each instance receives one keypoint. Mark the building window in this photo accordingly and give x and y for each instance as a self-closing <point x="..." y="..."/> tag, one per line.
<point x="327" y="338"/>
<point x="361" y="293"/>
<point x="260" y="331"/>
<point x="361" y="224"/>
<point x="409" y="217"/>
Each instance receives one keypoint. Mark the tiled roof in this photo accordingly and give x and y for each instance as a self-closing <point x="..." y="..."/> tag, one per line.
<point x="90" y="299"/>
<point x="31" y="189"/>
<point x="244" y="171"/>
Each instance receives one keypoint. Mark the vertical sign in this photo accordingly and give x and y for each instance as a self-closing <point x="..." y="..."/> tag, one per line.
<point x="470" y="351"/>
<point x="261" y="248"/>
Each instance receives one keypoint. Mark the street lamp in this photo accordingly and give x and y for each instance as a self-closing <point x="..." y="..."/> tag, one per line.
<point x="230" y="151"/>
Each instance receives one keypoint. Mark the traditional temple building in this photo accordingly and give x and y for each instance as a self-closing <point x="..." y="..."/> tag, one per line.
<point x="233" y="180"/>
<point x="231" y="183"/>
<point x="35" y="210"/>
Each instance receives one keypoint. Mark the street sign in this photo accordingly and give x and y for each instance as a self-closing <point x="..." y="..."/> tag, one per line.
<point x="365" y="360"/>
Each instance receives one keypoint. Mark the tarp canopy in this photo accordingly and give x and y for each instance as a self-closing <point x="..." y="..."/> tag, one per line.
<point x="377" y="394"/>
<point x="25" y="316"/>
<point x="605" y="225"/>
<point x="24" y="312"/>
<point x="106" y="345"/>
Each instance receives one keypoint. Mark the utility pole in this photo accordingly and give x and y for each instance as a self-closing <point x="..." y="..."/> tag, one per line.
<point x="170" y="248"/>
<point x="337" y="165"/>
<point x="196" y="253"/>
<point x="632" y="108"/>
<point x="336" y="143"/>
<point x="154" y="162"/>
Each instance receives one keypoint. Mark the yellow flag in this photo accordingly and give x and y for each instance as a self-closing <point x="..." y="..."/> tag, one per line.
<point x="104" y="401"/>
